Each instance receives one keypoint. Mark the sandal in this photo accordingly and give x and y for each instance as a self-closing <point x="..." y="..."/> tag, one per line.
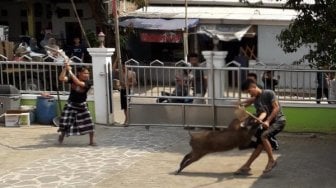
<point x="270" y="167"/>
<point x="243" y="171"/>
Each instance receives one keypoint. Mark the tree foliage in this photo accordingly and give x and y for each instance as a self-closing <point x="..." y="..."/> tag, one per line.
<point x="315" y="29"/>
<point x="103" y="21"/>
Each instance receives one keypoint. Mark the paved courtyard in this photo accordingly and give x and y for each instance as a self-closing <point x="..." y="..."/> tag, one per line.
<point x="136" y="157"/>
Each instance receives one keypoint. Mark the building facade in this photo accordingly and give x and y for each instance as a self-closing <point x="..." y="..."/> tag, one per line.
<point x="250" y="30"/>
<point x="33" y="18"/>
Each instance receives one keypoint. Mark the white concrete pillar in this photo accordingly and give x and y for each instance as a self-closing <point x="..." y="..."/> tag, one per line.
<point x="215" y="60"/>
<point x="101" y="57"/>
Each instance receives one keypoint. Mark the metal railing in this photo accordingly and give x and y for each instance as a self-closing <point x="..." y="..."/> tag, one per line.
<point x="295" y="83"/>
<point x="156" y="79"/>
<point x="35" y="77"/>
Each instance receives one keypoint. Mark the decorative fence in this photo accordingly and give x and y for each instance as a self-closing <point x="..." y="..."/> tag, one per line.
<point x="34" y="76"/>
<point x="297" y="84"/>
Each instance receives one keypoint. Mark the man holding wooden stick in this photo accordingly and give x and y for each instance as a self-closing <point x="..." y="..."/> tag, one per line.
<point x="270" y="116"/>
<point x="76" y="118"/>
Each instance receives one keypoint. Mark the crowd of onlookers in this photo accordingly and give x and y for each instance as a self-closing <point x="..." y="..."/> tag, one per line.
<point x="325" y="84"/>
<point x="30" y="49"/>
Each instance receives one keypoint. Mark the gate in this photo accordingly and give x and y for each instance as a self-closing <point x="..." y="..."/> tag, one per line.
<point x="297" y="86"/>
<point x="156" y="79"/>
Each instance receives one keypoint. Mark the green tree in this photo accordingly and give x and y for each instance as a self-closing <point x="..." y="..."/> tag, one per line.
<point x="102" y="19"/>
<point x="314" y="28"/>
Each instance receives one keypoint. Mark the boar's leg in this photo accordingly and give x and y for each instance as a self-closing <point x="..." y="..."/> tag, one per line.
<point x="188" y="159"/>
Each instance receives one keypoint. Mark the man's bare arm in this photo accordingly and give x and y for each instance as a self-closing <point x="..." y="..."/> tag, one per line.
<point x="275" y="111"/>
<point x="247" y="102"/>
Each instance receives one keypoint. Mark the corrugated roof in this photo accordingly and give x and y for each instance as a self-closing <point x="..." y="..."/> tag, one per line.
<point x="242" y="15"/>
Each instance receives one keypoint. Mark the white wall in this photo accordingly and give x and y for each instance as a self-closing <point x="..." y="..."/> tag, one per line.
<point x="269" y="50"/>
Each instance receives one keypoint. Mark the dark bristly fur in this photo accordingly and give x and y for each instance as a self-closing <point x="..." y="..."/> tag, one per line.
<point x="205" y="142"/>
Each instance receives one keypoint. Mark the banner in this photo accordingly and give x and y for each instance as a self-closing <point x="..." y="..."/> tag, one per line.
<point x="161" y="37"/>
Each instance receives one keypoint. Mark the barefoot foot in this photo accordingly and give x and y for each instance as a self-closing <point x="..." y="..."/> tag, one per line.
<point x="60" y="138"/>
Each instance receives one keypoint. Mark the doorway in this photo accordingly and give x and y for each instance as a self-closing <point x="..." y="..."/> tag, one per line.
<point x="72" y="29"/>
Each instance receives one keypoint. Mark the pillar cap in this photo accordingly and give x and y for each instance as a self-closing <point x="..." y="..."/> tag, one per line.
<point x="101" y="34"/>
<point x="101" y="51"/>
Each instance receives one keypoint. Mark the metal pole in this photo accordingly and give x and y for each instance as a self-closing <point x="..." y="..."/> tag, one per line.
<point x="213" y="107"/>
<point x="185" y="34"/>
<point x="117" y="37"/>
<point x="107" y="94"/>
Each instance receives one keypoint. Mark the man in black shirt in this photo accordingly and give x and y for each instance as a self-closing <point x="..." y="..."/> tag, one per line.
<point x="77" y="50"/>
<point x="76" y="118"/>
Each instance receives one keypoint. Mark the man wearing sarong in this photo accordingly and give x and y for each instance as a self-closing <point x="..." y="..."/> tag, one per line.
<point x="76" y="118"/>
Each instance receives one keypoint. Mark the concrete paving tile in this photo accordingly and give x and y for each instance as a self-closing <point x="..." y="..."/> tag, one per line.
<point x="48" y="179"/>
<point x="135" y="157"/>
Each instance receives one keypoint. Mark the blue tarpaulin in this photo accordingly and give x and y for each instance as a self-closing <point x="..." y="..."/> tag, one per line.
<point x="158" y="24"/>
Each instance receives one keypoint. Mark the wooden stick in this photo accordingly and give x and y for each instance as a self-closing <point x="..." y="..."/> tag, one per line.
<point x="251" y="115"/>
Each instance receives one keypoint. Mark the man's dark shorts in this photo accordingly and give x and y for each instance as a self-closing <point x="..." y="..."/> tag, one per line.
<point x="123" y="99"/>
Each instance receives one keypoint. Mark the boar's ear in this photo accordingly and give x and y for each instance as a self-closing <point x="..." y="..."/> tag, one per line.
<point x="241" y="113"/>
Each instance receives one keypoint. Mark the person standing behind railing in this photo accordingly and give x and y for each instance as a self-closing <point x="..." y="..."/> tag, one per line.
<point x="269" y="81"/>
<point x="77" y="50"/>
<point x="198" y="79"/>
<point x="128" y="80"/>
<point x="322" y="79"/>
<point x="332" y="88"/>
